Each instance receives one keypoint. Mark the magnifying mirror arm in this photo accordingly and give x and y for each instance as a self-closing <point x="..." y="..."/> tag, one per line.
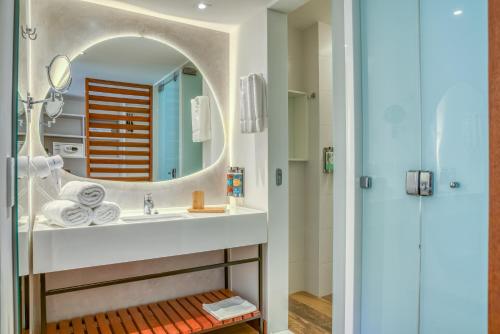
<point x="30" y="102"/>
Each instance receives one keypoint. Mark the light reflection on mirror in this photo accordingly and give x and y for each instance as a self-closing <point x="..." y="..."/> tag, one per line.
<point x="128" y="114"/>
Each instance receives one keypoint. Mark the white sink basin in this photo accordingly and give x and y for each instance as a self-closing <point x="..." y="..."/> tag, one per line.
<point x="154" y="217"/>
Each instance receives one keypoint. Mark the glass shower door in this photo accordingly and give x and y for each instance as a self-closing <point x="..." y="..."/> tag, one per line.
<point x="391" y="146"/>
<point x="424" y="100"/>
<point x="454" y="76"/>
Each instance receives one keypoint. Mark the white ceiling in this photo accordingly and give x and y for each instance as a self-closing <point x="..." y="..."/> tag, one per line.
<point x="310" y="13"/>
<point x="226" y="12"/>
<point x="124" y="59"/>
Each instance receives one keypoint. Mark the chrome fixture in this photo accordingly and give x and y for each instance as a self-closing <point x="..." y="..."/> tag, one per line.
<point x="365" y="182"/>
<point x="454" y="184"/>
<point x="419" y="183"/>
<point x="149" y="204"/>
<point x="59" y="77"/>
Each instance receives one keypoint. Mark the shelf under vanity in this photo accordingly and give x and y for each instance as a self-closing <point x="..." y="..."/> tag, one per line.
<point x="172" y="232"/>
<point x="181" y="315"/>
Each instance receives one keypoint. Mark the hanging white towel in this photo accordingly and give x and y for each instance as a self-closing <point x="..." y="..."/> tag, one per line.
<point x="201" y="119"/>
<point x="106" y="213"/>
<point x="67" y="213"/>
<point x="86" y="193"/>
<point x="253" y="103"/>
<point x="229" y="308"/>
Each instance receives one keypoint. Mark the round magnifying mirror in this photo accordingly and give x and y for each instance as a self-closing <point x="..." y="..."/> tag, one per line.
<point x="59" y="74"/>
<point x="54" y="108"/>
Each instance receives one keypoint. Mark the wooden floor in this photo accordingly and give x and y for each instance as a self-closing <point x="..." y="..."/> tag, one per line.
<point x="308" y="314"/>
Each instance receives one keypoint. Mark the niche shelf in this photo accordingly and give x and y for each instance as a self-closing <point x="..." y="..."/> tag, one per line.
<point x="181" y="315"/>
<point x="298" y="126"/>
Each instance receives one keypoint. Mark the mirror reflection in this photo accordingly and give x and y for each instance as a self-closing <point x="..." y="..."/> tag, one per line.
<point x="136" y="110"/>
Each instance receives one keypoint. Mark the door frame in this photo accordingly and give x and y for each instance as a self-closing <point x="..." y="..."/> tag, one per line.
<point x="347" y="128"/>
<point x="494" y="173"/>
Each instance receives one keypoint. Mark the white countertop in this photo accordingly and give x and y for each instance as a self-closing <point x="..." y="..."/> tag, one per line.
<point x="56" y="248"/>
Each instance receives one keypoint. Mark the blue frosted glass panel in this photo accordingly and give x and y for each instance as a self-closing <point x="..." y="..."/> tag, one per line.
<point x="391" y="146"/>
<point x="455" y="146"/>
<point x="168" y="133"/>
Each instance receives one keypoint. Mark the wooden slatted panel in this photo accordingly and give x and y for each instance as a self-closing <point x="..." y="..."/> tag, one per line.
<point x="119" y="115"/>
<point x="90" y="325"/>
<point x="102" y="98"/>
<point x="163" y="319"/>
<point x="151" y="320"/>
<point x="180" y="316"/>
<point x="118" y="162"/>
<point x="77" y="325"/>
<point x="127" y="321"/>
<point x="110" y="143"/>
<point x="64" y="327"/>
<point x="139" y="321"/>
<point x="52" y="328"/>
<point x="176" y="319"/>
<point x="103" y="324"/>
<point x="196" y="303"/>
<point x="200" y="318"/>
<point x="126" y="179"/>
<point x="193" y="324"/>
<point x="116" y="323"/>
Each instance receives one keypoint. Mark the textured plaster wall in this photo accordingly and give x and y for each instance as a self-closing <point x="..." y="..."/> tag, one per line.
<point x="68" y="27"/>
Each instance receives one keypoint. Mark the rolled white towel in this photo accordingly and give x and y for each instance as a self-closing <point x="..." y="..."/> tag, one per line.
<point x="67" y="213"/>
<point x="106" y="213"/>
<point x="87" y="193"/>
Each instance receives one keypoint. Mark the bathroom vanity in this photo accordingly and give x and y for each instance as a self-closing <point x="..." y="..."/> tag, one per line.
<point x="138" y="237"/>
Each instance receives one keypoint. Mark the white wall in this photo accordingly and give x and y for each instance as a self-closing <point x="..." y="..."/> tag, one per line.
<point x="311" y="217"/>
<point x="7" y="319"/>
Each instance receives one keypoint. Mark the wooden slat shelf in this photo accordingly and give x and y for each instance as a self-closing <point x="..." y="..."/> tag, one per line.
<point x="177" y="316"/>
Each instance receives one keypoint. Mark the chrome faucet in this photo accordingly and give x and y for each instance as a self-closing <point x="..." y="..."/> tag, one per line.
<point x="149" y="204"/>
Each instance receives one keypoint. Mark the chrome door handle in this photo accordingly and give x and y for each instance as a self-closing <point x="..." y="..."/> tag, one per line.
<point x="419" y="183"/>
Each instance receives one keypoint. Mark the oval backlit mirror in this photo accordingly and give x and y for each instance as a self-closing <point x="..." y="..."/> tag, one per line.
<point x="59" y="74"/>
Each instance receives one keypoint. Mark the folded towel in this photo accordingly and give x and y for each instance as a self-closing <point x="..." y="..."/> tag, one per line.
<point x="86" y="193"/>
<point x="201" y="119"/>
<point x="67" y="213"/>
<point x="229" y="308"/>
<point x="253" y="103"/>
<point x="106" y="213"/>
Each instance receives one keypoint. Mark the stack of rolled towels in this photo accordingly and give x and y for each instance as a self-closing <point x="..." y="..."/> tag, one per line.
<point x="81" y="204"/>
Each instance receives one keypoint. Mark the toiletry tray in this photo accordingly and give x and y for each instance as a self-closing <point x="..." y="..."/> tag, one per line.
<point x="176" y="316"/>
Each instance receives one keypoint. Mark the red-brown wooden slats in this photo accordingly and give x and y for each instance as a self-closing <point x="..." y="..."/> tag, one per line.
<point x="179" y="316"/>
<point x="139" y="321"/>
<point x="52" y="328"/>
<point x="77" y="325"/>
<point x="127" y="321"/>
<point x="176" y="319"/>
<point x="163" y="319"/>
<point x="103" y="324"/>
<point x="193" y="324"/>
<point x="200" y="318"/>
<point x="90" y="325"/>
<point x="198" y="305"/>
<point x="124" y="111"/>
<point x="151" y="320"/>
<point x="64" y="327"/>
<point x="116" y="323"/>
